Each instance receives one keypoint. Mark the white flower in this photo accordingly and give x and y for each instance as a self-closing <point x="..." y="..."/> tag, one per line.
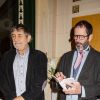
<point x="52" y="64"/>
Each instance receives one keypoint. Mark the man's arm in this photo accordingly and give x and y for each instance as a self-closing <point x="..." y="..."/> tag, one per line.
<point x="38" y="77"/>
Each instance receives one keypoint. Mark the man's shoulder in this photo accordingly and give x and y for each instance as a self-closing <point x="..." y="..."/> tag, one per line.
<point x="95" y="54"/>
<point x="93" y="50"/>
<point x="37" y="53"/>
<point x="38" y="57"/>
<point x="10" y="52"/>
<point x="68" y="53"/>
<point x="8" y="55"/>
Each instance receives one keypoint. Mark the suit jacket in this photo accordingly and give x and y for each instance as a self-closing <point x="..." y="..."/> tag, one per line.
<point x="35" y="77"/>
<point x="89" y="76"/>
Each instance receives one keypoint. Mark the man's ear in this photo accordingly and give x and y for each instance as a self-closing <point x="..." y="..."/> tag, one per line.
<point x="29" y="38"/>
<point x="90" y="37"/>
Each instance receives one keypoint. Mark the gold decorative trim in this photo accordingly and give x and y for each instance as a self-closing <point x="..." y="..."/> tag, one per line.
<point x="20" y="11"/>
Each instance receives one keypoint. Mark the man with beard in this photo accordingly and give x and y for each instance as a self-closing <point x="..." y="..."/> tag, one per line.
<point x="23" y="71"/>
<point x="80" y="67"/>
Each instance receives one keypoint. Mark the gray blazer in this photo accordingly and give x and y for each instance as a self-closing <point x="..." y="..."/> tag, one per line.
<point x="89" y="76"/>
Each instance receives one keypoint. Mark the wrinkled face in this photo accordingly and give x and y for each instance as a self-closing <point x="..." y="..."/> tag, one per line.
<point x="20" y="40"/>
<point x="81" y="38"/>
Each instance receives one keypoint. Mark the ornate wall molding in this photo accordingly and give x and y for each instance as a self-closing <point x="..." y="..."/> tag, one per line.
<point x="20" y="11"/>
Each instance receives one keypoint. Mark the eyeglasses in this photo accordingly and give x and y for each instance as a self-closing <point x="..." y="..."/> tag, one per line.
<point x="81" y="37"/>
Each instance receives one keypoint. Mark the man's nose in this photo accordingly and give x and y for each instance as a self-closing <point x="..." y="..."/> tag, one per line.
<point x="77" y="39"/>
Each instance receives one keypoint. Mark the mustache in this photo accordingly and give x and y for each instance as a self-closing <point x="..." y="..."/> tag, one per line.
<point x="78" y="43"/>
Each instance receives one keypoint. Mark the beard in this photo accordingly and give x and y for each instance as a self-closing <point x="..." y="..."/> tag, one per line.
<point x="82" y="46"/>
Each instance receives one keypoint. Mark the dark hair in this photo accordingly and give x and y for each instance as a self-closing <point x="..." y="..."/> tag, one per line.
<point x="20" y="27"/>
<point x="86" y="24"/>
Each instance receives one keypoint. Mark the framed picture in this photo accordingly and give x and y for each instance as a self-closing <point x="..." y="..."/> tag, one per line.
<point x="75" y="9"/>
<point x="76" y="0"/>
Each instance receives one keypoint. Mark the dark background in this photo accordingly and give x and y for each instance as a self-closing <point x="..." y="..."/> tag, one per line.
<point x="7" y="19"/>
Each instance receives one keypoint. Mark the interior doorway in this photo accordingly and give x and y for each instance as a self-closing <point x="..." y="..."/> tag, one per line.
<point x="7" y="19"/>
<point x="7" y="16"/>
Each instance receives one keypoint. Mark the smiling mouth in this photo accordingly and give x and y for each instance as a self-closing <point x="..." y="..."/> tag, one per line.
<point x="79" y="45"/>
<point x="17" y="43"/>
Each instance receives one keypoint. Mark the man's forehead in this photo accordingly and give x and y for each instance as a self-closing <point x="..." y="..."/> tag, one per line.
<point x="78" y="28"/>
<point x="21" y="31"/>
<point x="80" y="31"/>
<point x="18" y="32"/>
<point x="82" y="26"/>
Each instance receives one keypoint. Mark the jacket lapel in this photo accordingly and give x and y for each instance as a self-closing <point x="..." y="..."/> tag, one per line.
<point x="28" y="74"/>
<point x="31" y="61"/>
<point x="10" y="73"/>
<point x="88" y="63"/>
<point x="70" y="64"/>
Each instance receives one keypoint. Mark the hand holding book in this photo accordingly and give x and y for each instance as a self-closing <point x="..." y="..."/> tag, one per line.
<point x="64" y="83"/>
<point x="69" y="85"/>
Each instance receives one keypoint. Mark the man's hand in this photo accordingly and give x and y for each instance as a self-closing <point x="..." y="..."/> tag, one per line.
<point x="19" y="98"/>
<point x="60" y="76"/>
<point x="75" y="88"/>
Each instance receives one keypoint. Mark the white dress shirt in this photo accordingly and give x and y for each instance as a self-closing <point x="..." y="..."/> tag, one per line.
<point x="20" y="70"/>
<point x="86" y="51"/>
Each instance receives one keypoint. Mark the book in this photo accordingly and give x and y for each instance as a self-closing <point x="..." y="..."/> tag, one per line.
<point x="64" y="82"/>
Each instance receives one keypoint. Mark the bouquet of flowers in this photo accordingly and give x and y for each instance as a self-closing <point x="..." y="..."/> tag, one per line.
<point x="52" y="63"/>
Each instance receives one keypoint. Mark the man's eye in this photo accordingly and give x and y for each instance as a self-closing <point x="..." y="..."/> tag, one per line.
<point x="12" y="36"/>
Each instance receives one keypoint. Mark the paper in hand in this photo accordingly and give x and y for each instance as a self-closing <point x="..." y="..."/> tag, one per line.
<point x="64" y="82"/>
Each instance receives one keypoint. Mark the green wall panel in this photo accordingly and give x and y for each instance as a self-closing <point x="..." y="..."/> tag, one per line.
<point x="29" y="18"/>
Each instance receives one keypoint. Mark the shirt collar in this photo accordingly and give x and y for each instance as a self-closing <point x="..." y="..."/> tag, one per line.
<point x="25" y="53"/>
<point x="87" y="49"/>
